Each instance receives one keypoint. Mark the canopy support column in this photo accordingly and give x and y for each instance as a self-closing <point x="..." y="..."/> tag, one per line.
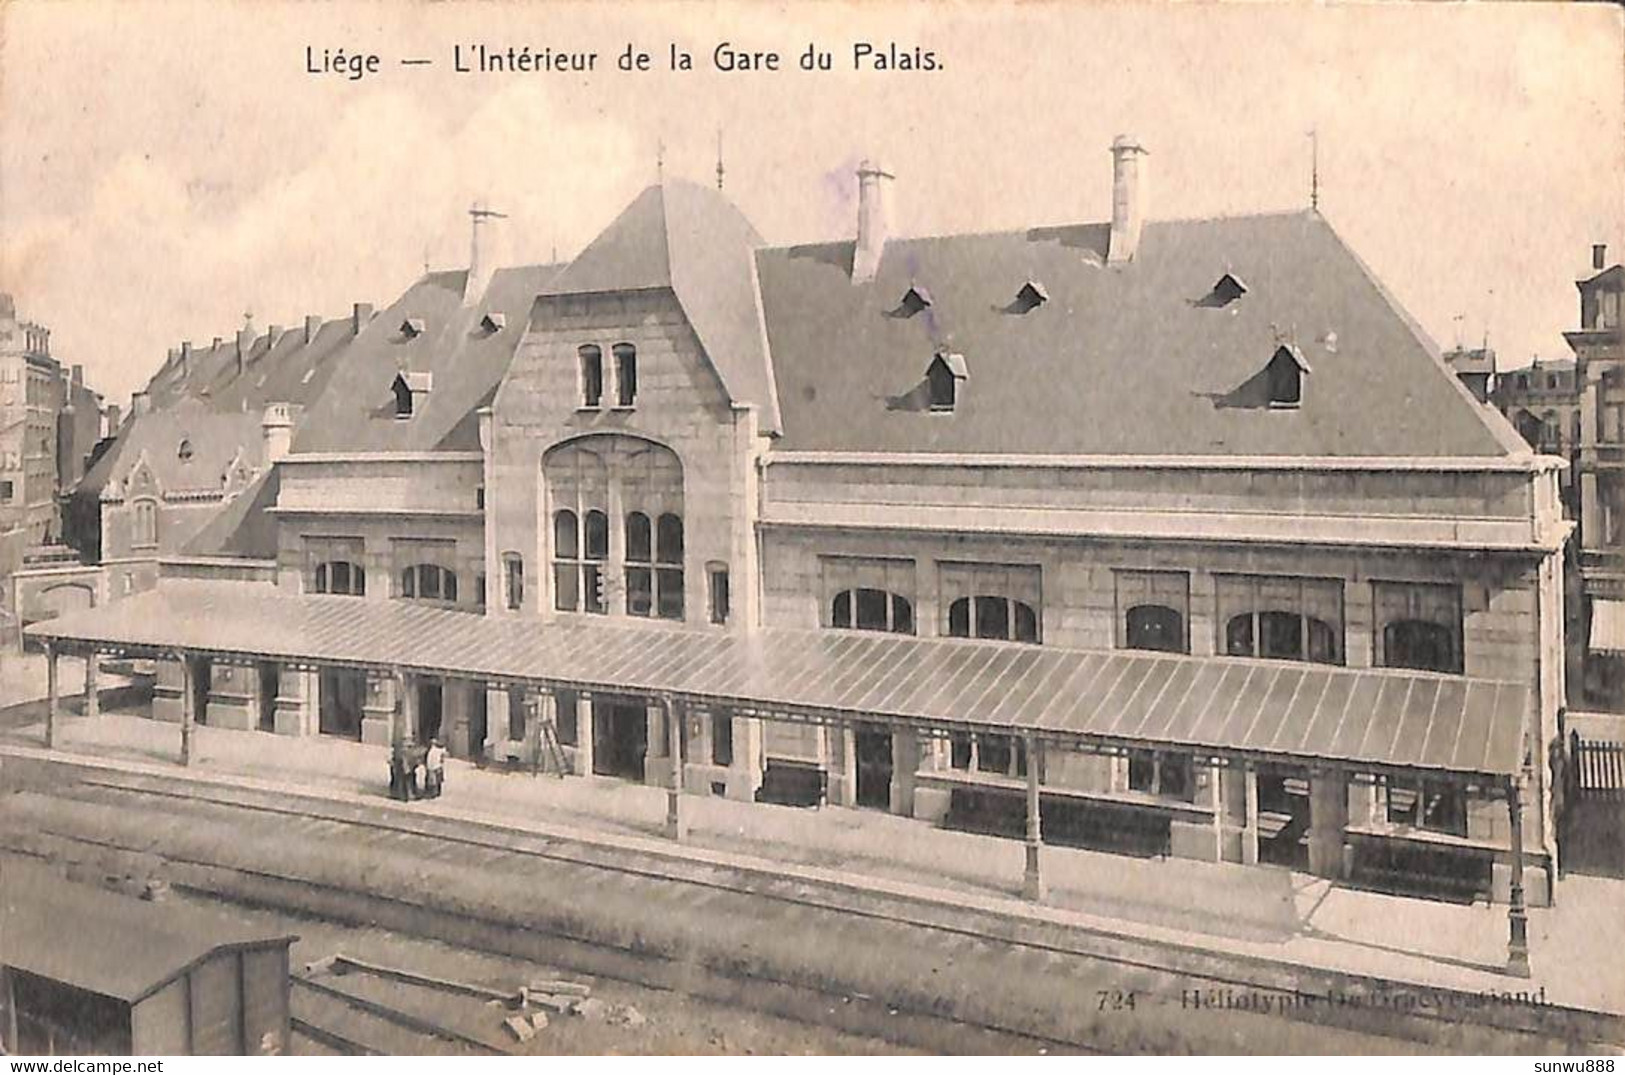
<point x="1033" y="887"/>
<point x="1249" y="834"/>
<point x="53" y="697"/>
<point x="93" y="701"/>
<point x="405" y="725"/>
<point x="676" y="821"/>
<point x="1517" y="916"/>
<point x="188" y="706"/>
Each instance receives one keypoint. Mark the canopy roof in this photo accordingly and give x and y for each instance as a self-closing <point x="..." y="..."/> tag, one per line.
<point x="1223" y="706"/>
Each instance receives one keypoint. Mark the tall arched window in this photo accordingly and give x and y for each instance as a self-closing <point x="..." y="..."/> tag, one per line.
<point x="591" y="357"/>
<point x="1419" y="625"/>
<point x="643" y="481"/>
<point x="990" y="616"/>
<point x="144" y="531"/>
<point x="872" y="610"/>
<point x="513" y="580"/>
<point x="1155" y="627"/>
<point x="340" y="577"/>
<point x="429" y="582"/>
<point x="626" y="374"/>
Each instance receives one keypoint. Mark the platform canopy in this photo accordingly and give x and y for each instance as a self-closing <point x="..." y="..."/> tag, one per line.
<point x="1220" y="706"/>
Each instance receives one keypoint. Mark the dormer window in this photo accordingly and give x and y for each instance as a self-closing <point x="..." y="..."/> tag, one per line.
<point x="409" y="388"/>
<point x="412" y="328"/>
<point x="493" y="322"/>
<point x="1031" y="296"/>
<point x="591" y="358"/>
<point x="184" y="452"/>
<point x="915" y="299"/>
<point x="1285" y="376"/>
<point x="944" y="377"/>
<point x="1227" y="289"/>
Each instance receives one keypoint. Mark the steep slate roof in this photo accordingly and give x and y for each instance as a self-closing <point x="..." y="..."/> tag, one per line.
<point x="356" y="410"/>
<point x="243" y="526"/>
<point x="216" y="438"/>
<point x="291" y="371"/>
<point x="689" y="238"/>
<point x="1120" y="360"/>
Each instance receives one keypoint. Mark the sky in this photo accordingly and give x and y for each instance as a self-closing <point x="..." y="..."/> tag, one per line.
<point x="167" y="167"/>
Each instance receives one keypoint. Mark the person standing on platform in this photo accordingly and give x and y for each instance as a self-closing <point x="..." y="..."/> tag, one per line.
<point x="434" y="763"/>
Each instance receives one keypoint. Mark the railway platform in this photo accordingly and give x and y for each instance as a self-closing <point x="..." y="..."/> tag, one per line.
<point x="1246" y="913"/>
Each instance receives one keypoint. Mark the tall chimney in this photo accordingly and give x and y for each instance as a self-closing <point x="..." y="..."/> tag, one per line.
<point x="1128" y="200"/>
<point x="313" y="325"/>
<point x="113" y="415"/>
<point x="1599" y="255"/>
<point x="140" y="403"/>
<point x="78" y="375"/>
<point x="359" y="316"/>
<point x="484" y="251"/>
<point x="186" y="356"/>
<point x="245" y="344"/>
<point x="874" y="194"/>
<point x="277" y="426"/>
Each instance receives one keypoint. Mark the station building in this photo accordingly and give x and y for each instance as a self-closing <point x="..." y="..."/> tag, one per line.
<point x="1163" y="536"/>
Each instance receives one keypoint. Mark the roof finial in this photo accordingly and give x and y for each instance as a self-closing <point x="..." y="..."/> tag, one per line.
<point x="660" y="160"/>
<point x="1314" y="168"/>
<point x="719" y="158"/>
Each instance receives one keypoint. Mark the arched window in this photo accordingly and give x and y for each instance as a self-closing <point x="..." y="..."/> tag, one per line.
<point x="1286" y="636"/>
<point x="626" y="374"/>
<point x="989" y="616"/>
<point x="872" y="610"/>
<point x="145" y="523"/>
<point x="1155" y="627"/>
<point x="592" y="374"/>
<point x="943" y="387"/>
<point x="513" y="580"/>
<point x="429" y="582"/>
<point x="583" y="477"/>
<point x="340" y="577"/>
<point x="640" y="556"/>
<point x="1420" y="644"/>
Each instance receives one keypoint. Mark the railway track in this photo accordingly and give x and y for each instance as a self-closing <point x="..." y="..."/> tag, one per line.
<point x="1139" y="991"/>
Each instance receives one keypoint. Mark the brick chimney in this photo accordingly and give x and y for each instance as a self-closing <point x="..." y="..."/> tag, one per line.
<point x="1599" y="256"/>
<point x="874" y="184"/>
<point x="186" y="357"/>
<point x="112" y="414"/>
<point x="359" y="316"/>
<point x="140" y="403"/>
<point x="1128" y="200"/>
<point x="78" y="375"/>
<point x="313" y="325"/>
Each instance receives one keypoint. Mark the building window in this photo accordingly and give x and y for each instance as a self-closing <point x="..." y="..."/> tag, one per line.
<point x="340" y="577"/>
<point x="985" y="616"/>
<point x="429" y="582"/>
<point x="7" y="491"/>
<point x="1155" y="627"/>
<point x="592" y="375"/>
<point x="872" y="610"/>
<point x="1155" y="772"/>
<point x="1281" y="618"/>
<point x="986" y="752"/>
<point x="722" y="738"/>
<point x="513" y="578"/>
<point x="145" y="523"/>
<point x="626" y="374"/>
<point x="580" y="550"/>
<point x="654" y="566"/>
<point x="1153" y="608"/>
<point x="518" y="715"/>
<point x="943" y="377"/>
<point x="717" y="587"/>
<point x="403" y="398"/>
<point x="566" y="724"/>
<point x="1429" y="805"/>
<point x="184" y="452"/>
<point x="1418" y="625"/>
<point x="1284" y="376"/>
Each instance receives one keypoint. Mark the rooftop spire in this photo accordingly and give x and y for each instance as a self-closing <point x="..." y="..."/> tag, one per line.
<point x="719" y="158"/>
<point x="1314" y="168"/>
